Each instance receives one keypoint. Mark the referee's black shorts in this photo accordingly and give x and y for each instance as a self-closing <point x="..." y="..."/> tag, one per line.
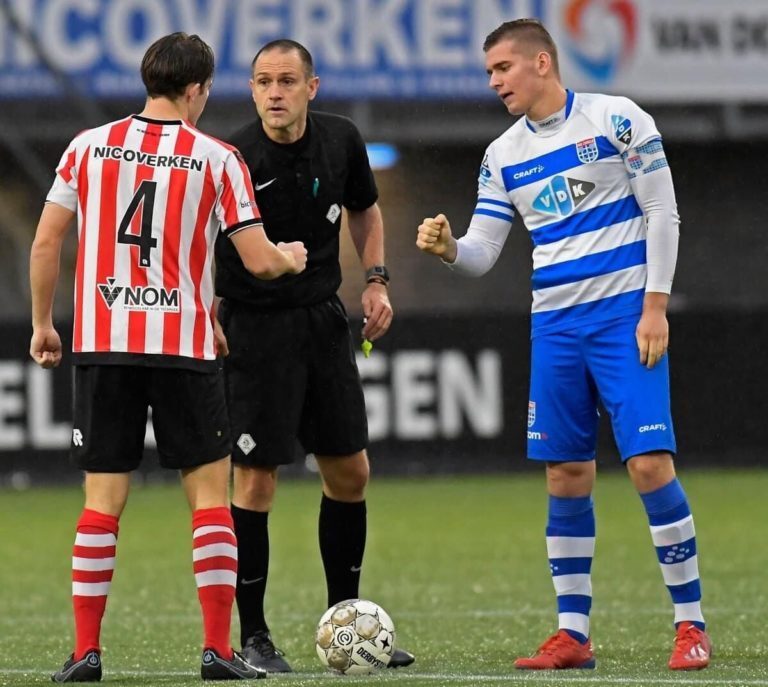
<point x="189" y="416"/>
<point x="291" y="374"/>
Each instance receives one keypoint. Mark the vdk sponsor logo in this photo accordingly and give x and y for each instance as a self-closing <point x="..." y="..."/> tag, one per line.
<point x="562" y="195"/>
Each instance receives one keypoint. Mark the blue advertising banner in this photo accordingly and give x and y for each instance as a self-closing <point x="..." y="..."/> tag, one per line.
<point x="362" y="48"/>
<point x="682" y="51"/>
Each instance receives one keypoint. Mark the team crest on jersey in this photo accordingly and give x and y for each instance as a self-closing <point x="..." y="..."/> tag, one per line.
<point x="587" y="151"/>
<point x="562" y="195"/>
<point x="144" y="298"/>
<point x="531" y="413"/>
<point x="622" y="128"/>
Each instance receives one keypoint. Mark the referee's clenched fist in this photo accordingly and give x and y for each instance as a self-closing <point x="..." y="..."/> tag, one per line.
<point x="435" y="237"/>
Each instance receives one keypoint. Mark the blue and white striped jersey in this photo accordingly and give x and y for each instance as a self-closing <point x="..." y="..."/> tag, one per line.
<point x="571" y="181"/>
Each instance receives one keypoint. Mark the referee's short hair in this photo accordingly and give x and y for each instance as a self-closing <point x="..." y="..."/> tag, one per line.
<point x="286" y="45"/>
<point x="530" y="32"/>
<point x="173" y="62"/>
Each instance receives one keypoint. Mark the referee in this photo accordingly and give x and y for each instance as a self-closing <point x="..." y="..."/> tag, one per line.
<point x="291" y="371"/>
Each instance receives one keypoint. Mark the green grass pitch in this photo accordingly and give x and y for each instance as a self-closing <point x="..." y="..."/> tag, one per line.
<point x="458" y="562"/>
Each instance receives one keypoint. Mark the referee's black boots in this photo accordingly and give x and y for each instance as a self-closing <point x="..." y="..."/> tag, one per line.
<point x="260" y="651"/>
<point x="400" y="659"/>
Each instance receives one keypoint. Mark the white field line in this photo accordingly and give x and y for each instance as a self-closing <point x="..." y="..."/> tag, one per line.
<point x="569" y="677"/>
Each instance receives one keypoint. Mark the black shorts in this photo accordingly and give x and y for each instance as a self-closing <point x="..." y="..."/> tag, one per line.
<point x="189" y="415"/>
<point x="291" y="374"/>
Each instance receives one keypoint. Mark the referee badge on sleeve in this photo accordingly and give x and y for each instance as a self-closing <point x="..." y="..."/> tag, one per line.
<point x="333" y="213"/>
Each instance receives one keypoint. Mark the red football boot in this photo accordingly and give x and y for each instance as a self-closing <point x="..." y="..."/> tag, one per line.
<point x="692" y="648"/>
<point x="560" y="651"/>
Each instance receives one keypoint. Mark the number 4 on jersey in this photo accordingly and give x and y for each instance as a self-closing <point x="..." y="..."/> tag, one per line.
<point x="144" y="196"/>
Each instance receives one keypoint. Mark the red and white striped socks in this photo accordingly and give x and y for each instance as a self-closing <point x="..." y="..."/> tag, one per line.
<point x="93" y="562"/>
<point x="214" y="555"/>
<point x="215" y="565"/>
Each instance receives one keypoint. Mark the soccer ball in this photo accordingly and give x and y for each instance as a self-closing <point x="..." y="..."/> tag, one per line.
<point x="355" y="637"/>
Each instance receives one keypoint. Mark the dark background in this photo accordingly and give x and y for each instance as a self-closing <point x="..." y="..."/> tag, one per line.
<point x="718" y="372"/>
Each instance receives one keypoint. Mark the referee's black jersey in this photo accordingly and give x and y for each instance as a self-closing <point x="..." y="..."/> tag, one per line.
<point x="300" y="190"/>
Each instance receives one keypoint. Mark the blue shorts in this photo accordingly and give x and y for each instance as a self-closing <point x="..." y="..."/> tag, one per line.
<point x="571" y="371"/>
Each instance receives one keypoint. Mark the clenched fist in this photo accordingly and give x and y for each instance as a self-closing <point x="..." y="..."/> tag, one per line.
<point x="435" y="237"/>
<point x="298" y="253"/>
<point x="45" y="347"/>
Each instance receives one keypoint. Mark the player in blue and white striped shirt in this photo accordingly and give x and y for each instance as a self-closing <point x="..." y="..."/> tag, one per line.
<point x="589" y="177"/>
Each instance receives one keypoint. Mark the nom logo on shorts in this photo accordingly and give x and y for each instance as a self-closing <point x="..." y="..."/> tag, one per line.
<point x="144" y="298"/>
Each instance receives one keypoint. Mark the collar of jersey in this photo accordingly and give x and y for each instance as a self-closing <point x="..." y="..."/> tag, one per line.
<point x="568" y="108"/>
<point x="298" y="146"/>
<point x="156" y="121"/>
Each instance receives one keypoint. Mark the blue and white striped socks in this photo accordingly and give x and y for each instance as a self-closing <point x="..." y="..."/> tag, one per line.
<point x="674" y="537"/>
<point x="570" y="548"/>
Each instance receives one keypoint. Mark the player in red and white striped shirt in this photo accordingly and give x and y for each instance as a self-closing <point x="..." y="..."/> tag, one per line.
<point x="150" y="193"/>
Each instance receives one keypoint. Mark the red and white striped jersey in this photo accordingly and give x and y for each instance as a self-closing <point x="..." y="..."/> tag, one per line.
<point x="150" y="196"/>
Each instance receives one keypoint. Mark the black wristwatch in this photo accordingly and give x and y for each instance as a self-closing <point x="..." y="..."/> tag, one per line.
<point x="378" y="274"/>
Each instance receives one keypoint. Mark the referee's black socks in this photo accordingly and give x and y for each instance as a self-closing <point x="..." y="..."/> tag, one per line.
<point x="252" y="568"/>
<point x="342" y="528"/>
